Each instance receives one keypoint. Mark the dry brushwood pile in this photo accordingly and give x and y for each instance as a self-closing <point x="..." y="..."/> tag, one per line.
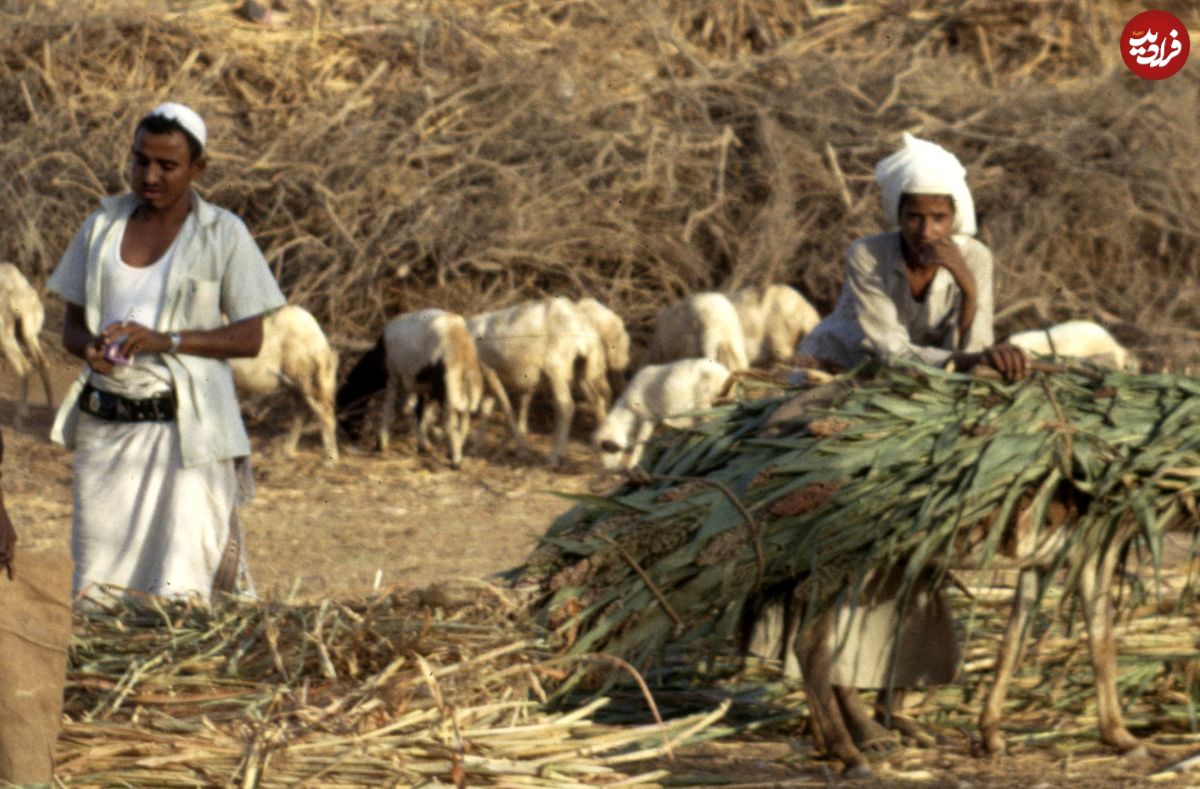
<point x="392" y="156"/>
<point x="442" y="687"/>
<point x="887" y="469"/>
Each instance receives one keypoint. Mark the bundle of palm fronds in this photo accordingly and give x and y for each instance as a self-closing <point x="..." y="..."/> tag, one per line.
<point x="884" y="470"/>
<point x="439" y="686"/>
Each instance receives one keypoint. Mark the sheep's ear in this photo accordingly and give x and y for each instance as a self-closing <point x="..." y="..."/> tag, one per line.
<point x="609" y="446"/>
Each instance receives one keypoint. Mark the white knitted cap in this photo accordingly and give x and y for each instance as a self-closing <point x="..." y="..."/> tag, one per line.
<point x="185" y="116"/>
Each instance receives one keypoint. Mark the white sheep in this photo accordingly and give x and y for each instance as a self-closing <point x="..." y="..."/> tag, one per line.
<point x="535" y="341"/>
<point x="21" y="314"/>
<point x="295" y="356"/>
<point x="669" y="393"/>
<point x="430" y="355"/>
<point x="1082" y="339"/>
<point x="774" y="320"/>
<point x="614" y="341"/>
<point x="702" y="325"/>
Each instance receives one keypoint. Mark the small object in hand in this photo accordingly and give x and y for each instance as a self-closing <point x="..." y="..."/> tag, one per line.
<point x="112" y="352"/>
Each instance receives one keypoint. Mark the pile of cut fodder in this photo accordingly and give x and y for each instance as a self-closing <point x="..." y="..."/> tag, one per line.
<point x="883" y="469"/>
<point x="439" y="687"/>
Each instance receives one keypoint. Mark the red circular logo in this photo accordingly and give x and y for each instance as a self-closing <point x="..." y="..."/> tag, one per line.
<point x="1154" y="44"/>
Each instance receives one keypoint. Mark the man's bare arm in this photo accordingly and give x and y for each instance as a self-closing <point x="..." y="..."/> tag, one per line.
<point x="238" y="339"/>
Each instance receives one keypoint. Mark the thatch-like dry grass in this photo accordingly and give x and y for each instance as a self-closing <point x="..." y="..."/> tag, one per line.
<point x="390" y="156"/>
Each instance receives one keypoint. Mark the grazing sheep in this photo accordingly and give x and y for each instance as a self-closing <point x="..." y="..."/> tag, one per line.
<point x="658" y="393"/>
<point x="1083" y="339"/>
<point x="774" y="320"/>
<point x="534" y="341"/>
<point x="21" y="314"/>
<point x="295" y="356"/>
<point x="614" y="341"/>
<point x="703" y="325"/>
<point x="429" y="356"/>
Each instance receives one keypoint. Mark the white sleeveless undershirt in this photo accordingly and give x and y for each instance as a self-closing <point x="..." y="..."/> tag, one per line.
<point x="134" y="295"/>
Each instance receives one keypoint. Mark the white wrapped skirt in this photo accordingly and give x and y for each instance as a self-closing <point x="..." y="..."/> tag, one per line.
<point x="144" y="522"/>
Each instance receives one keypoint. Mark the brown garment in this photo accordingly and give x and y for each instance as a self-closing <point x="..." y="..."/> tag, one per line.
<point x="35" y="629"/>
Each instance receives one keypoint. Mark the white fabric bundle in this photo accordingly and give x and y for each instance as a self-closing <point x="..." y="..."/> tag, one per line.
<point x="925" y="168"/>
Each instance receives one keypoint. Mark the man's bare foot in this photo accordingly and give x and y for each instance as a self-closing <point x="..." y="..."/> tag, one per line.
<point x="867" y="734"/>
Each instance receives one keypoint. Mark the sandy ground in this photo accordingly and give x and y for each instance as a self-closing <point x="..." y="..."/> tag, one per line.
<point x="404" y="519"/>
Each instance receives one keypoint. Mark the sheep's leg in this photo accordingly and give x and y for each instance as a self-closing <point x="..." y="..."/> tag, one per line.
<point x="1006" y="661"/>
<point x="598" y="396"/>
<point x="523" y="402"/>
<point x="391" y="393"/>
<point x="323" y="410"/>
<point x="829" y="727"/>
<point x="12" y="354"/>
<point x="425" y="415"/>
<point x="23" y="405"/>
<point x="298" y="409"/>
<point x="486" y="405"/>
<point x="616" y="381"/>
<point x="1095" y="584"/>
<point x="456" y="433"/>
<point x="325" y="416"/>
<point x="38" y="360"/>
<point x="564" y="411"/>
<point x="44" y="370"/>
<point x="497" y="389"/>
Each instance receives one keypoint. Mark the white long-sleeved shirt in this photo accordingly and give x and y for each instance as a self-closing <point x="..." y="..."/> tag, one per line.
<point x="877" y="316"/>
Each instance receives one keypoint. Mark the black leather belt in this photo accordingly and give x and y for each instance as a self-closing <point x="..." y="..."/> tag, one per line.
<point x="115" y="408"/>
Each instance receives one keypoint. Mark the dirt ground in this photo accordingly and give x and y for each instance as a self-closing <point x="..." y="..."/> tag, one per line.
<point x="317" y="530"/>
<point x="402" y="519"/>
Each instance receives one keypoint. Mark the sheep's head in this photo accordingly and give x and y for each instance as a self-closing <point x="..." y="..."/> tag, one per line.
<point x="613" y="440"/>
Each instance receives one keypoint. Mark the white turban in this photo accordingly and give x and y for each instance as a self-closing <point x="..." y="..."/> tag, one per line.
<point x="185" y="116"/>
<point x="925" y="168"/>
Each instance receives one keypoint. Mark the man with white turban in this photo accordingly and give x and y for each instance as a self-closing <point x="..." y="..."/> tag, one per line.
<point x="919" y="293"/>
<point x="922" y="292"/>
<point x="149" y="280"/>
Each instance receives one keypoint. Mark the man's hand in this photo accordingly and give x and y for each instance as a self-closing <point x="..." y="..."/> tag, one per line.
<point x="8" y="540"/>
<point x="1008" y="360"/>
<point x="138" y="338"/>
<point x="945" y="253"/>
<point x="93" y="354"/>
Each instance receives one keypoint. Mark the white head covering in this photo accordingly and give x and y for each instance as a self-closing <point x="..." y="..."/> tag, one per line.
<point x="185" y="116"/>
<point x="925" y="168"/>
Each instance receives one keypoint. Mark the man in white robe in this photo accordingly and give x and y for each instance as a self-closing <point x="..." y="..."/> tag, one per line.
<point x="921" y="293"/>
<point x="149" y="280"/>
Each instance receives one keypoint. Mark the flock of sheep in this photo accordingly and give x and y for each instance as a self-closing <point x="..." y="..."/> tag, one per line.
<point x="444" y="364"/>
